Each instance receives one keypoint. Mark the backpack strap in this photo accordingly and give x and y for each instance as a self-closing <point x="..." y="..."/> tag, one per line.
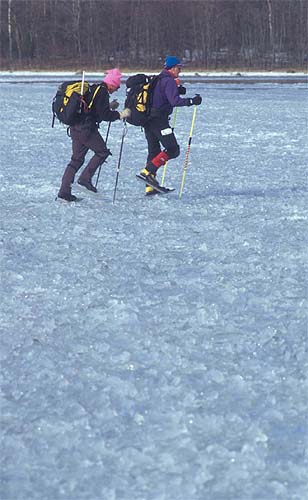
<point x="94" y="95"/>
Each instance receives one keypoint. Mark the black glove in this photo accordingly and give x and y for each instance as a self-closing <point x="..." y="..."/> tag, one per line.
<point x="195" y="100"/>
<point x="182" y="90"/>
<point x="113" y="104"/>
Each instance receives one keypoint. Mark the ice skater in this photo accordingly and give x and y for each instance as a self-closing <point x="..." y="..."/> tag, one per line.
<point x="157" y="129"/>
<point x="85" y="136"/>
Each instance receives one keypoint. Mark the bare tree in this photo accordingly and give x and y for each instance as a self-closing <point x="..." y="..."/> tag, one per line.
<point x="139" y="33"/>
<point x="9" y="28"/>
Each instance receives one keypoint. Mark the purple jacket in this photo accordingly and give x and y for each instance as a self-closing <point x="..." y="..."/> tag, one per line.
<point x="166" y="94"/>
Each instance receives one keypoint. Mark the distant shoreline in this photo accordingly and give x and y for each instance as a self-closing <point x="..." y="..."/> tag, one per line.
<point x="231" y="77"/>
<point x="201" y="72"/>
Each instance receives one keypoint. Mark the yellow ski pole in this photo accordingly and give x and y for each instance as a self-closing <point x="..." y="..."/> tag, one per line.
<point x="188" y="151"/>
<point x="165" y="166"/>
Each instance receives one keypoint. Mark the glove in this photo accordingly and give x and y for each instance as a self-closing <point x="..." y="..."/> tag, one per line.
<point x="195" y="100"/>
<point x="125" y="113"/>
<point x="113" y="104"/>
<point x="182" y="90"/>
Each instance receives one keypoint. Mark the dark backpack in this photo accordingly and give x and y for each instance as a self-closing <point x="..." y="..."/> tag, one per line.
<point x="69" y="103"/>
<point x="139" y="97"/>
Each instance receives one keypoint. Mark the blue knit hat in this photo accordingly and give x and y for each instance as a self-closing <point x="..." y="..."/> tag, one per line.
<point x="172" y="61"/>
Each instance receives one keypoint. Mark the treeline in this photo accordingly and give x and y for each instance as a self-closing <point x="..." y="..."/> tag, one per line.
<point x="208" y="34"/>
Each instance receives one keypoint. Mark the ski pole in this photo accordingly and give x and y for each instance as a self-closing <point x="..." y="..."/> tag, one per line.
<point x="82" y="83"/>
<point x="82" y="105"/>
<point x="165" y="166"/>
<point x="82" y="101"/>
<point x="100" y="167"/>
<point x="188" y="150"/>
<point x="119" y="161"/>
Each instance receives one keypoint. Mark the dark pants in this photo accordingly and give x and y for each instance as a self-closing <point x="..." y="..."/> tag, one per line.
<point x="83" y="140"/>
<point x="158" y="132"/>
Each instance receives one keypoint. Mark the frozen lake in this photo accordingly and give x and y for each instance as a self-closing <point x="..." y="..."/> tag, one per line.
<point x="156" y="349"/>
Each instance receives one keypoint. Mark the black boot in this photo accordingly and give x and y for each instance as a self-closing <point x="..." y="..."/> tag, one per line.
<point x="66" y="196"/>
<point x="87" y="184"/>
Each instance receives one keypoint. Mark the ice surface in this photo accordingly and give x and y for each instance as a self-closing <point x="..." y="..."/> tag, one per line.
<point x="156" y="349"/>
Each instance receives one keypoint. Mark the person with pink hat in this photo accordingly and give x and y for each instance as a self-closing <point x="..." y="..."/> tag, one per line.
<point x="85" y="135"/>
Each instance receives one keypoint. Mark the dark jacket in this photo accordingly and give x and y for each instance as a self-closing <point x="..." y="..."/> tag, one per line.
<point x="166" y="95"/>
<point x="100" y="109"/>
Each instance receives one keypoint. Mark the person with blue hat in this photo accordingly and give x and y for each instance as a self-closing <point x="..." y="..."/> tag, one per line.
<point x="157" y="129"/>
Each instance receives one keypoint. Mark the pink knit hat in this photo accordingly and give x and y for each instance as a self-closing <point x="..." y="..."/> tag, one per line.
<point x="113" y="77"/>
